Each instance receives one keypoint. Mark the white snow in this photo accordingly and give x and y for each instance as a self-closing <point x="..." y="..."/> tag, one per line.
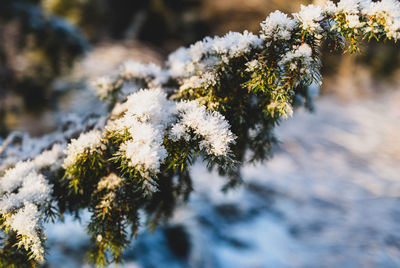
<point x="277" y="26"/>
<point x="209" y="125"/>
<point x="148" y="72"/>
<point x="309" y="16"/>
<point x="87" y="142"/>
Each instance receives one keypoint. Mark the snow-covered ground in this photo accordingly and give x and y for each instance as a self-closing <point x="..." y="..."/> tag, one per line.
<point x="328" y="198"/>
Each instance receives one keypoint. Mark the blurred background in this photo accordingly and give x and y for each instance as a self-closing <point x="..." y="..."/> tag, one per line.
<point x="328" y="198"/>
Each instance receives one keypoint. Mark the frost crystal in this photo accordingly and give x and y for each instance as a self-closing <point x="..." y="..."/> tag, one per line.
<point x="26" y="223"/>
<point x="210" y="126"/>
<point x="235" y="44"/>
<point x="150" y="105"/>
<point x="145" y="150"/>
<point x="179" y="62"/>
<point x="302" y="53"/>
<point x="205" y="54"/>
<point x="309" y="16"/>
<point x="277" y="26"/>
<point x="34" y="189"/>
<point x="23" y="190"/>
<point x="329" y="8"/>
<point x="14" y="177"/>
<point x="206" y="80"/>
<point x="349" y="6"/>
<point x="87" y="142"/>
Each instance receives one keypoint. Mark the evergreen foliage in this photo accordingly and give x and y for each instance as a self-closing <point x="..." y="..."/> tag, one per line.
<point x="218" y="100"/>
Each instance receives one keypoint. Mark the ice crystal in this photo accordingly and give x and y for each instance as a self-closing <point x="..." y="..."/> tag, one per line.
<point x="277" y="26"/>
<point x="211" y="126"/>
<point x="26" y="223"/>
<point x="309" y="16"/>
<point x="86" y="143"/>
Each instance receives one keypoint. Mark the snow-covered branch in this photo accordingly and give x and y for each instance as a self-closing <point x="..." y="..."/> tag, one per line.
<point x="218" y="99"/>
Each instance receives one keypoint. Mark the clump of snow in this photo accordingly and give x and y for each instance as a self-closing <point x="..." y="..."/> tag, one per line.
<point x="204" y="55"/>
<point x="24" y="189"/>
<point x="301" y="53"/>
<point x="150" y="105"/>
<point x="204" y="81"/>
<point x="26" y="223"/>
<point x="209" y="125"/>
<point x="329" y="8"/>
<point x="231" y="45"/>
<point x="179" y="62"/>
<point x="234" y="44"/>
<point x="144" y="150"/>
<point x="350" y="6"/>
<point x="87" y="142"/>
<point x="149" y="116"/>
<point x="34" y="188"/>
<point x="310" y="17"/>
<point x="13" y="177"/>
<point x="277" y="26"/>
<point x="353" y="21"/>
